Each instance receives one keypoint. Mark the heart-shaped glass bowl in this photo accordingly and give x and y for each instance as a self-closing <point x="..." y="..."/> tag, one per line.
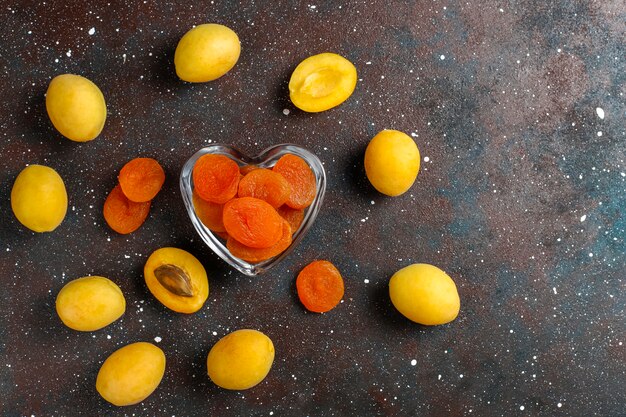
<point x="265" y="159"/>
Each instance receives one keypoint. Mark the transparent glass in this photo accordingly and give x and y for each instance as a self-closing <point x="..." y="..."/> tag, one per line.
<point x="265" y="159"/>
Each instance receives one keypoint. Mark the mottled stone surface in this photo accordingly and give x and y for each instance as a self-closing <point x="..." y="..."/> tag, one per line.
<point x="521" y="199"/>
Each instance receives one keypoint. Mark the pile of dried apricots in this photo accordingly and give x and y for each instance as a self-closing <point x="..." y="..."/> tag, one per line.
<point x="254" y="210"/>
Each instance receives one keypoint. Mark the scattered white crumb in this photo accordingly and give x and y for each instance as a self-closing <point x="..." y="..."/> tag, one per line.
<point x="426" y="159"/>
<point x="600" y="112"/>
<point x="214" y="333"/>
<point x="413" y="362"/>
<point x="554" y="289"/>
<point x="591" y="254"/>
<point x="559" y="405"/>
<point x="286" y="112"/>
<point x="599" y="134"/>
<point x="521" y="407"/>
<point x="157" y="339"/>
<point x="367" y="281"/>
<point x="583" y="218"/>
<point x="442" y="57"/>
<point x="69" y="52"/>
<point x="92" y="31"/>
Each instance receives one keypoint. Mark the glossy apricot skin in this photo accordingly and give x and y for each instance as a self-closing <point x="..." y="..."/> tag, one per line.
<point x="131" y="374"/>
<point x="90" y="303"/>
<point x="39" y="198"/>
<point x="240" y="360"/>
<point x="392" y="162"/>
<point x="206" y="52"/>
<point x="424" y="294"/>
<point x="76" y="107"/>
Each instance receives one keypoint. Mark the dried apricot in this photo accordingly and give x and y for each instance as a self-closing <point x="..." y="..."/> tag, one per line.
<point x="266" y="185"/>
<point x="293" y="216"/>
<point x="260" y="254"/>
<point x="252" y="222"/>
<point x="210" y="214"/>
<point x="215" y="178"/>
<point x="320" y="286"/>
<point x="141" y="179"/>
<point x="121" y="214"/>
<point x="302" y="180"/>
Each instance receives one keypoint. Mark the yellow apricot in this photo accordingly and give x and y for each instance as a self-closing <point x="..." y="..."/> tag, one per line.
<point x="424" y="294"/>
<point x="392" y="162"/>
<point x="90" y="303"/>
<point x="177" y="279"/>
<point x="76" y="107"/>
<point x="240" y="360"/>
<point x="322" y="82"/>
<point x="206" y="52"/>
<point x="39" y="199"/>
<point x="131" y="373"/>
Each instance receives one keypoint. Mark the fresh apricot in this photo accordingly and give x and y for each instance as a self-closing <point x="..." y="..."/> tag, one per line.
<point x="322" y="82"/>
<point x="177" y="279"/>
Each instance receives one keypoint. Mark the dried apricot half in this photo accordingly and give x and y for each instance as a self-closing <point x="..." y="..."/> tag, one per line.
<point x="252" y="222"/>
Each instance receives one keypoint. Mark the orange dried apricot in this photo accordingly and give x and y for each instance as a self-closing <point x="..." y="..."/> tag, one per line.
<point x="210" y="214"/>
<point x="121" y="214"/>
<point x="260" y="254"/>
<point x="293" y="216"/>
<point x="141" y="179"/>
<point x="252" y="222"/>
<point x="266" y="185"/>
<point x="320" y="286"/>
<point x="215" y="178"/>
<point x="302" y="180"/>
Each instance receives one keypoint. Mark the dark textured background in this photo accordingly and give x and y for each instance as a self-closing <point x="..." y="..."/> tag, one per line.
<point x="500" y="96"/>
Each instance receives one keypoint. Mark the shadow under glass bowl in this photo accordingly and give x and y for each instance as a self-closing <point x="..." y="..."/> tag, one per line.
<point x="265" y="159"/>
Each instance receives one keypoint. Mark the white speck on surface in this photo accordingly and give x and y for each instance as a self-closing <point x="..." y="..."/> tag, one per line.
<point x="461" y="376"/>
<point x="367" y="281"/>
<point x="157" y="339"/>
<point x="108" y="336"/>
<point x="124" y="58"/>
<point x="438" y="377"/>
<point x="521" y="407"/>
<point x="554" y="289"/>
<point x="368" y="63"/>
<point x="599" y="134"/>
<point x="214" y="333"/>
<point x="285" y="112"/>
<point x="600" y="112"/>
<point x="559" y="405"/>
<point x="442" y="57"/>
<point x="69" y="52"/>
<point x="92" y="31"/>
<point x="426" y="159"/>
<point x="413" y="362"/>
<point x="583" y="218"/>
<point x="591" y="254"/>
